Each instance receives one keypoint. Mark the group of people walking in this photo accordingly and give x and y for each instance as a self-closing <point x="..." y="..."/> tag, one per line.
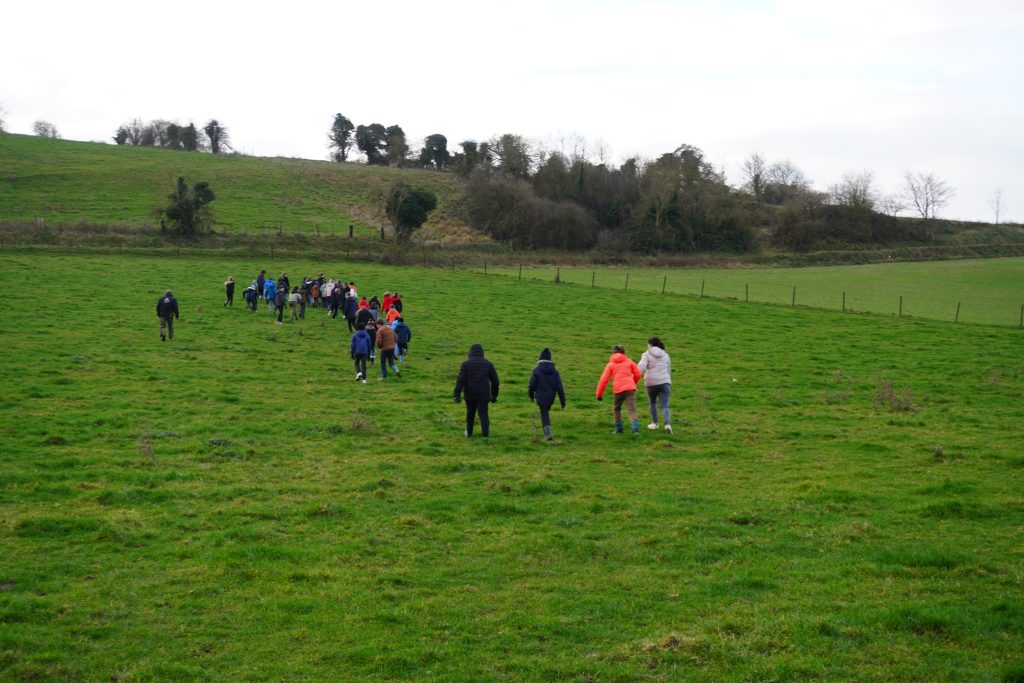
<point x="379" y="326"/>
<point x="478" y="382"/>
<point x="334" y="296"/>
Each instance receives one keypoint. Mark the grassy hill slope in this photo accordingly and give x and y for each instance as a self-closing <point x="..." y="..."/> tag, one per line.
<point x="66" y="182"/>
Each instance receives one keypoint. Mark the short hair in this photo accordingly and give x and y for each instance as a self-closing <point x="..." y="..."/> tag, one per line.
<point x="654" y="341"/>
<point x="168" y="293"/>
<point x="618" y="349"/>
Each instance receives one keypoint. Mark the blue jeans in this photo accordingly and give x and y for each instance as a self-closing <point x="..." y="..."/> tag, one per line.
<point x="659" y="395"/>
<point x="387" y="359"/>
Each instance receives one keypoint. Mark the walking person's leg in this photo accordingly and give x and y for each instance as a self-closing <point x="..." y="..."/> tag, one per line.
<point x="485" y="421"/>
<point x="652" y="403"/>
<point x="663" y="401"/>
<point x="545" y="420"/>
<point x="470" y="417"/>
<point x="630" y="398"/>
<point x="163" y="329"/>
<point x="617" y="400"/>
<point x="170" y="328"/>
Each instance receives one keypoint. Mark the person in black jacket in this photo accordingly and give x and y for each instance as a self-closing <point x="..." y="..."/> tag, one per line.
<point x="545" y="382"/>
<point x="229" y="289"/>
<point x="167" y="310"/>
<point x="479" y="381"/>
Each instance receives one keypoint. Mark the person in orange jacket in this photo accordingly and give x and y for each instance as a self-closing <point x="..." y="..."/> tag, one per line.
<point x="624" y="374"/>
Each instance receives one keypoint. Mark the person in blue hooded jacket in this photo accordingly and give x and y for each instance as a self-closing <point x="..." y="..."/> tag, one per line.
<point x="404" y="334"/>
<point x="545" y="384"/>
<point x="269" y="292"/>
<point x="360" y="348"/>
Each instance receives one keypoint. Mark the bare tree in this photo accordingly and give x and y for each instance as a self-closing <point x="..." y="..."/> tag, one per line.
<point x="927" y="193"/>
<point x="856" y="190"/>
<point x="891" y="204"/>
<point x="45" y="129"/>
<point x="217" y="135"/>
<point x="754" y="171"/>
<point x="995" y="202"/>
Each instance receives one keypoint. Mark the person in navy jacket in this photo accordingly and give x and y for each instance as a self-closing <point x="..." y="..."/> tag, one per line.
<point x="545" y="384"/>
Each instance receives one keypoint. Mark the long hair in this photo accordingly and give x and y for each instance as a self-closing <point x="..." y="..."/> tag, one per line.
<point x="654" y="341"/>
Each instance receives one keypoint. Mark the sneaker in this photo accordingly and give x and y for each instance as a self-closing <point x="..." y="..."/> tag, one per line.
<point x="364" y="381"/>
<point x="359" y="376"/>
<point x="652" y="426"/>
<point x="465" y="433"/>
<point x="398" y="373"/>
<point x="163" y="337"/>
<point x="668" y="428"/>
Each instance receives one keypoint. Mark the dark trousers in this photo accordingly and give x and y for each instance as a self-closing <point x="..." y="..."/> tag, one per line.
<point x="545" y="415"/>
<point x="474" y="408"/>
<point x="361" y="364"/>
<point x="231" y="299"/>
<point x="351" y="324"/>
<point x="280" y="312"/>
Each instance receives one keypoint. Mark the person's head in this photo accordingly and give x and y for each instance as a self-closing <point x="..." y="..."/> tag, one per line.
<point x="360" y="326"/>
<point x="545" y="354"/>
<point x="283" y="274"/>
<point x="168" y="293"/>
<point x="263" y="272"/>
<point x="654" y="341"/>
<point x="295" y="290"/>
<point x="476" y="350"/>
<point x="619" y="349"/>
<point x="230" y="279"/>
<point x="351" y="284"/>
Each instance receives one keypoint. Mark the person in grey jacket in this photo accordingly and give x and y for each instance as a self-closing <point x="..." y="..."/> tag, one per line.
<point x="657" y="368"/>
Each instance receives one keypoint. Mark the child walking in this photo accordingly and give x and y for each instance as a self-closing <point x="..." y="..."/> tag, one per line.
<point x="360" y="350"/>
<point x="545" y="383"/>
<point x="624" y="374"/>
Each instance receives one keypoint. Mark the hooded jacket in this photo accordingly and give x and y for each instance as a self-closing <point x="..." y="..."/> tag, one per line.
<point x="402" y="331"/>
<point x="386" y="338"/>
<point x="623" y="373"/>
<point x="658" y="366"/>
<point x="166" y="307"/>
<point x="545" y="382"/>
<point x="361" y="344"/>
<point x="269" y="289"/>
<point x="477" y="377"/>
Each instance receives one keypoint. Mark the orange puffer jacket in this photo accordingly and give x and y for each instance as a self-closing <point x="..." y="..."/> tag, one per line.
<point x="623" y="373"/>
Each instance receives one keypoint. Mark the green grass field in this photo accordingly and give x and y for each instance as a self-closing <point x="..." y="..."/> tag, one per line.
<point x="65" y="182"/>
<point x="989" y="291"/>
<point x="841" y="501"/>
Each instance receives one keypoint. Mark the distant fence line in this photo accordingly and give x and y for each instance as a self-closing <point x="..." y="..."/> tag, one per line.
<point x="348" y="246"/>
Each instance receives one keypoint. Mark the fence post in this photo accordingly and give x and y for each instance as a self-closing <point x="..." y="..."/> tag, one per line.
<point x="382" y="233"/>
<point x="746" y="292"/>
<point x="794" y="297"/>
<point x="558" y="274"/>
<point x="593" y="278"/>
<point x="663" y="283"/>
<point x="520" y="271"/>
<point x="351" y="229"/>
<point x="453" y="264"/>
<point x="701" y="289"/>
<point x="485" y="266"/>
<point x="957" y="318"/>
<point x="1022" y="315"/>
<point x="844" y="302"/>
<point x="901" y="306"/>
<point x="626" y="288"/>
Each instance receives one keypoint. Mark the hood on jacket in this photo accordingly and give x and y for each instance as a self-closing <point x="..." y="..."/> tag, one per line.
<point x="476" y="351"/>
<point x="656" y="352"/>
<point x="618" y="358"/>
<point x="545" y="354"/>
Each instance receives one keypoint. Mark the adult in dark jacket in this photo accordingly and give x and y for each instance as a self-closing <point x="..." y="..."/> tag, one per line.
<point x="167" y="311"/>
<point x="545" y="384"/>
<point x="364" y="316"/>
<point x="348" y="309"/>
<point x="479" y="382"/>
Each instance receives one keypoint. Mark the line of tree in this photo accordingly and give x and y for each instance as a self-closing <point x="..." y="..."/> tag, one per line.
<point x="213" y="137"/>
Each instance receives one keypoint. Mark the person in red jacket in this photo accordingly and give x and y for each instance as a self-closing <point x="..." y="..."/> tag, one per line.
<point x="624" y="374"/>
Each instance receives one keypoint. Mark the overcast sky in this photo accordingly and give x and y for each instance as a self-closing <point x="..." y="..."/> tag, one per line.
<point x="835" y="87"/>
